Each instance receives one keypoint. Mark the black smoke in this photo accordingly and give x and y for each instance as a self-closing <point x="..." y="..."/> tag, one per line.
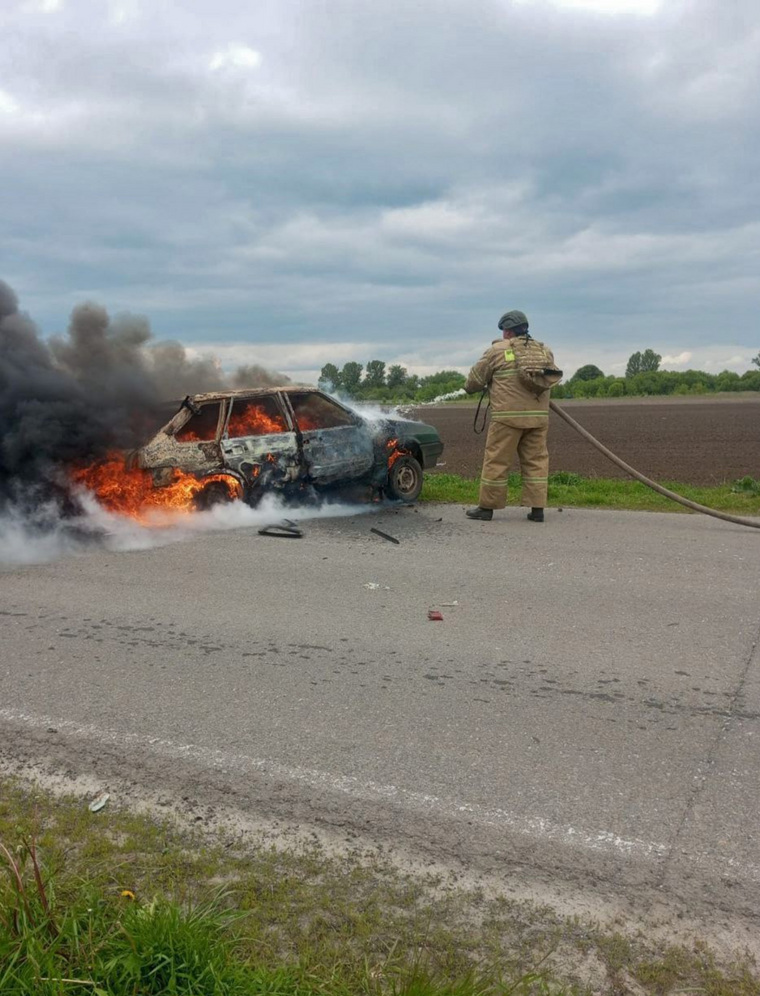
<point x="105" y="384"/>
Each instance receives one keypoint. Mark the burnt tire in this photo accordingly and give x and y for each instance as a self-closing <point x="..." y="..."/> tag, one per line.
<point x="404" y="479"/>
<point x="215" y="493"/>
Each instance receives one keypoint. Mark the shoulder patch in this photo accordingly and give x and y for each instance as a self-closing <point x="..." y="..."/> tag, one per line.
<point x="509" y="355"/>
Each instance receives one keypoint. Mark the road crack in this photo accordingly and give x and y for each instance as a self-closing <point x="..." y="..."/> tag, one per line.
<point x="732" y="713"/>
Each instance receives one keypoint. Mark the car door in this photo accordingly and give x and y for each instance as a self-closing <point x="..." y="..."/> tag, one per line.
<point x="259" y="440"/>
<point x="190" y="442"/>
<point x="337" y="444"/>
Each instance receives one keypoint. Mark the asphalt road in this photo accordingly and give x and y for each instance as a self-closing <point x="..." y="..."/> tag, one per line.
<point x="590" y="709"/>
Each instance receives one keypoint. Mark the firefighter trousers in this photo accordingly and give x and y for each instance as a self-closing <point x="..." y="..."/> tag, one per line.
<point x="502" y="442"/>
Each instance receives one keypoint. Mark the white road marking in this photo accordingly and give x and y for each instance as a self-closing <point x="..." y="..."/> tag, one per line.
<point x="600" y="840"/>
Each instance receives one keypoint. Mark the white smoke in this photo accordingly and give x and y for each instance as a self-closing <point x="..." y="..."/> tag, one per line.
<point x="461" y="393"/>
<point x="405" y="410"/>
<point x="44" y="536"/>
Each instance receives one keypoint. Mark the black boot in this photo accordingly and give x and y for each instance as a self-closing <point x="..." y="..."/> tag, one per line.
<point x="536" y="515"/>
<point x="480" y="513"/>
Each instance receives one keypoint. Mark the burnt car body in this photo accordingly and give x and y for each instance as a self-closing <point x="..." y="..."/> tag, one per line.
<point x="288" y="439"/>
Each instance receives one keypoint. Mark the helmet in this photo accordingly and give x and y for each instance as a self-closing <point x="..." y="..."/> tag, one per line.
<point x="512" y="319"/>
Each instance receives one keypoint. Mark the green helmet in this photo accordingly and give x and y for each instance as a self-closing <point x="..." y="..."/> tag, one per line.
<point x="512" y="319"/>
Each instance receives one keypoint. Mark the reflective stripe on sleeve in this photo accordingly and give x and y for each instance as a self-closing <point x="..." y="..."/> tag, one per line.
<point x="515" y="414"/>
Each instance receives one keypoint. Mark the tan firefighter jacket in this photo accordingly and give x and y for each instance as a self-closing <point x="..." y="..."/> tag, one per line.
<point x="511" y="401"/>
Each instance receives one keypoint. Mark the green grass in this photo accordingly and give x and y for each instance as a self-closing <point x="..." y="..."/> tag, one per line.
<point x="567" y="490"/>
<point x="114" y="904"/>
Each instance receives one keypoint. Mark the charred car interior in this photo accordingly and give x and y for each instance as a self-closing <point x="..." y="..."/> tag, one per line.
<point x="292" y="440"/>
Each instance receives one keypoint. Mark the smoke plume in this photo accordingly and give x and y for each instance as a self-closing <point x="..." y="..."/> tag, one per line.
<point x="105" y="384"/>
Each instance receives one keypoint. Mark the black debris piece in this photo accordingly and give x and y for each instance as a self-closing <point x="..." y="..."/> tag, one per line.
<point x="287" y="529"/>
<point x="391" y="539"/>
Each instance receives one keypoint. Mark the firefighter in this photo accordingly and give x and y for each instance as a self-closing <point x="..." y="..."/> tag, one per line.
<point x="519" y="416"/>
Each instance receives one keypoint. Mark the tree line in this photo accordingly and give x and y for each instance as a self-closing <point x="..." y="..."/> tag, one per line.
<point x="644" y="377"/>
<point x="376" y="382"/>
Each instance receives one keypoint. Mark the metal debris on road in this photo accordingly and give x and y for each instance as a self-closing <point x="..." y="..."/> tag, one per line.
<point x="374" y="586"/>
<point x="449" y="605"/>
<point x="435" y="615"/>
<point x="287" y="529"/>
<point x="97" y="804"/>
<point x="386" y="536"/>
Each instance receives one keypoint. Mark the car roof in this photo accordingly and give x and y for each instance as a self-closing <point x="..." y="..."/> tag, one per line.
<point x="248" y="392"/>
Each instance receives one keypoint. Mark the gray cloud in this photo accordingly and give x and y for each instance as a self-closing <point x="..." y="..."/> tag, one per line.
<point x="398" y="173"/>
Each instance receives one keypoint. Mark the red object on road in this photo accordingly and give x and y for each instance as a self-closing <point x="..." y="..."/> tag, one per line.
<point x="435" y="615"/>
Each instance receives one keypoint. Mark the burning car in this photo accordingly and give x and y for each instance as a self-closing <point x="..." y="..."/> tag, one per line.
<point x="242" y="444"/>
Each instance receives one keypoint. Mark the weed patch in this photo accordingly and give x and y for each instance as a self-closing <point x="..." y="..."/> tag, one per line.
<point x="112" y="904"/>
<point x="746" y="486"/>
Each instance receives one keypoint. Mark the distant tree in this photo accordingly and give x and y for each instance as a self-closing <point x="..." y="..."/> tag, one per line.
<point x="444" y="378"/>
<point x="396" y="376"/>
<point x="650" y="361"/>
<point x="646" y="362"/>
<point x="374" y="375"/>
<point x="756" y="360"/>
<point x="329" y="377"/>
<point x="412" y="382"/>
<point x="727" y="380"/>
<point x="644" y="383"/>
<point x="634" y="365"/>
<point x="443" y="382"/>
<point x="589" y="372"/>
<point x="750" y="381"/>
<point x="350" y="377"/>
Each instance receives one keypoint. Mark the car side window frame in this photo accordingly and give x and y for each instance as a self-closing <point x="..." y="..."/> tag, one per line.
<point x="355" y="419"/>
<point x="283" y="410"/>
<point x="177" y="424"/>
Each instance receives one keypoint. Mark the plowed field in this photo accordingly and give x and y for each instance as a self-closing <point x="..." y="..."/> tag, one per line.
<point x="695" y="441"/>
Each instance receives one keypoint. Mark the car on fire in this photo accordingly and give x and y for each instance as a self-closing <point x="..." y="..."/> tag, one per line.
<point x="294" y="440"/>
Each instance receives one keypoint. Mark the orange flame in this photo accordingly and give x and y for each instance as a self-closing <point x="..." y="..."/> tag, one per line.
<point x="308" y="422"/>
<point x="252" y="420"/>
<point x="130" y="491"/>
<point x="247" y="419"/>
<point x="395" y="452"/>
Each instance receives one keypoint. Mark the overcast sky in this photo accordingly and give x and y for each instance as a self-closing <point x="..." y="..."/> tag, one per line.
<point x="300" y="181"/>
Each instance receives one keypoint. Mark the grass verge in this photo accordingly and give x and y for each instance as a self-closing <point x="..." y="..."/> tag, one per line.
<point x="567" y="490"/>
<point x="112" y="904"/>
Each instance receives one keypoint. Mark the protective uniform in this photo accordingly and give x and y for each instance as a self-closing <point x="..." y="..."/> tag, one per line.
<point x="519" y="423"/>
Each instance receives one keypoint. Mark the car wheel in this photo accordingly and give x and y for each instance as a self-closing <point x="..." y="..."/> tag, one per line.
<point x="215" y="493"/>
<point x="405" y="479"/>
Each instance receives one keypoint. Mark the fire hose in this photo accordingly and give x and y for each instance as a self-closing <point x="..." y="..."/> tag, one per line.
<point x="695" y="506"/>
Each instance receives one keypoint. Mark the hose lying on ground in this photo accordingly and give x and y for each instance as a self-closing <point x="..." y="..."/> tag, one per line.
<point x="645" y="480"/>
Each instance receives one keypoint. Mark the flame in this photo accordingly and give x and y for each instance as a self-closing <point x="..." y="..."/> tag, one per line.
<point x="308" y="422"/>
<point x="395" y="452"/>
<point x="130" y="490"/>
<point x="252" y="420"/>
<point x="188" y="435"/>
<point x="247" y="419"/>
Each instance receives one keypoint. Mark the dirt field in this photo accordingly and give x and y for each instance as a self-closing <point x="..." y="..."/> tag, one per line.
<point x="692" y="440"/>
